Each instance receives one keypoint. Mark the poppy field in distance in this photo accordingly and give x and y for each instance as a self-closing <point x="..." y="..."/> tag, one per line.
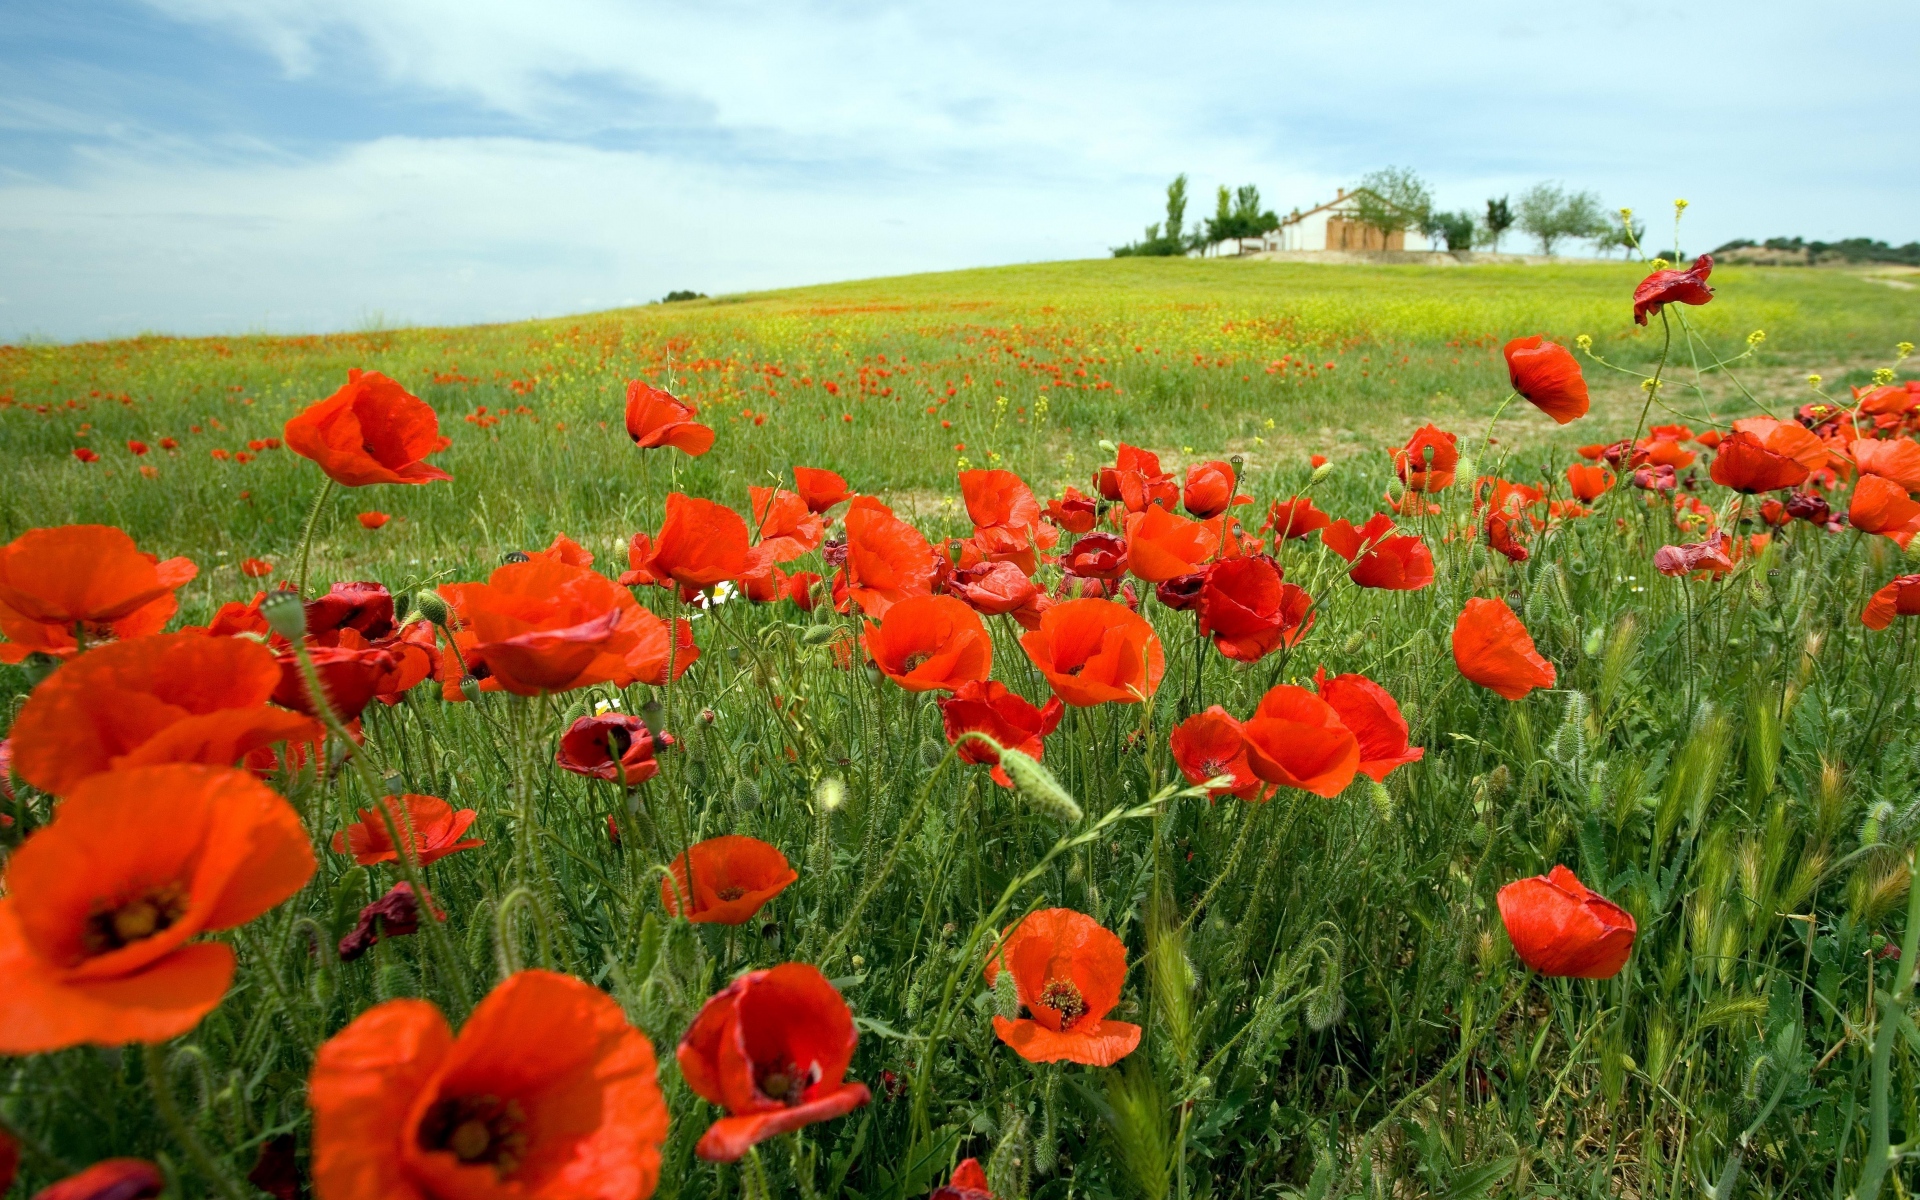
<point x="1147" y="728"/>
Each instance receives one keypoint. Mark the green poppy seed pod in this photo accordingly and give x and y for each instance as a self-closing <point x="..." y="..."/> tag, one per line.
<point x="1039" y="786"/>
<point x="430" y="606"/>
<point x="830" y="793"/>
<point x="746" y="794"/>
<point x="817" y="635"/>
<point x="470" y="688"/>
<point x="1006" y="995"/>
<point x="1321" y="472"/>
<point x="285" y="614"/>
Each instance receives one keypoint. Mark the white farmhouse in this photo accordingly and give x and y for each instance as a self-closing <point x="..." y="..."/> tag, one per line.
<point x="1335" y="225"/>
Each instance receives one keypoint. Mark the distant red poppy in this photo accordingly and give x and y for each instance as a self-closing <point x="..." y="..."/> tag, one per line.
<point x="136" y="447"/>
<point x="111" y="1179"/>
<point x="1096" y="651"/>
<point x="85" y="455"/>
<point x="821" y="489"/>
<point x="1073" y="512"/>
<point x="656" y="418"/>
<point x="1373" y="715"/>
<point x="546" y="1094"/>
<point x="1248" y="611"/>
<point x="1548" y="376"/>
<point x="1426" y="463"/>
<point x="1897" y="459"/>
<point x="1297" y="740"/>
<point x="370" y="431"/>
<point x="542" y="626"/>
<point x="1010" y="719"/>
<point x="1589" y="483"/>
<point x="1067" y="972"/>
<point x="701" y="543"/>
<point x="611" y="746"/>
<point x="992" y="588"/>
<point x="428" y="825"/>
<point x="373" y="520"/>
<point x="1161" y="545"/>
<point x="1096" y="556"/>
<point x="1209" y="487"/>
<point x="1560" y="928"/>
<point x="1492" y="648"/>
<point x="887" y="560"/>
<point x="256" y="568"/>
<point x="733" y="878"/>
<point x="1882" y="506"/>
<point x="930" y="643"/>
<point x="969" y="1182"/>
<point x="772" y="1048"/>
<point x="1136" y="480"/>
<point x="1295" y="517"/>
<point x="1709" y="559"/>
<point x="1673" y="287"/>
<point x="1900" y="598"/>
<point x="1208" y="745"/>
<point x="1809" y="507"/>
<point x="783" y="526"/>
<point x="90" y="576"/>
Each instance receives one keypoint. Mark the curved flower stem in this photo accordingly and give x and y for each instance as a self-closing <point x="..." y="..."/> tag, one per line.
<point x="306" y="539"/>
<point x="219" y="1174"/>
<point x="1893" y="1020"/>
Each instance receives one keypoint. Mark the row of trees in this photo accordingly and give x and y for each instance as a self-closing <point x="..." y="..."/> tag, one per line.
<point x="1237" y="216"/>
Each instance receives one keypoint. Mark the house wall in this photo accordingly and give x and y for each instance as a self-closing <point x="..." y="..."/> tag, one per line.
<point x="1334" y="228"/>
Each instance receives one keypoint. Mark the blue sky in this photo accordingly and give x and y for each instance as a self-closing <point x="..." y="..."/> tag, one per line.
<point x="242" y="165"/>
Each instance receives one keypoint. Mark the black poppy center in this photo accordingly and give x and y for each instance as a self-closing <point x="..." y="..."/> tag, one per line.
<point x="784" y="1082"/>
<point x="1063" y="997"/>
<point x="477" y="1129"/>
<point x="135" y="920"/>
<point x="619" y="739"/>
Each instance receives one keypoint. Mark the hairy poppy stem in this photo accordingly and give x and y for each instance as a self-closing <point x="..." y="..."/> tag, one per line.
<point x="306" y="539"/>
<point x="217" y="1173"/>
<point x="1893" y="1021"/>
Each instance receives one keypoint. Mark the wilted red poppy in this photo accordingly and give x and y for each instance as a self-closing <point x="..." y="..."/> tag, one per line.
<point x="969" y="1182"/>
<point x="1067" y="972"/>
<point x="733" y="878"/>
<point x="1136" y="480"/>
<point x="1096" y="651"/>
<point x="1809" y="507"/>
<point x="1096" y="556"/>
<point x="772" y="1049"/>
<point x="1548" y="376"/>
<point x="91" y="576"/>
<point x="1295" y="517"/>
<point x="1897" y="459"/>
<point x="370" y="431"/>
<point x="428" y="825"/>
<point x="1208" y="745"/>
<point x="611" y="746"/>
<point x="783" y="526"/>
<point x="656" y="418"/>
<point x="1073" y="512"/>
<point x="930" y="643"/>
<point x="546" y="1094"/>
<point x="1589" y="483"/>
<point x="1297" y="740"/>
<point x="112" y="1179"/>
<point x="887" y="560"/>
<point x="1210" y="487"/>
<point x="396" y="914"/>
<point x="1426" y="463"/>
<point x="1900" y="598"/>
<point x="101" y="904"/>
<point x="352" y="678"/>
<point x="169" y="698"/>
<point x="1560" y="928"/>
<point x="1010" y="719"/>
<point x="1492" y="648"/>
<point x="1673" y="287"/>
<point x="1882" y="506"/>
<point x="1373" y="715"/>
<point x="992" y="587"/>
<point x="821" y="489"/>
<point x="1248" y="611"/>
<point x="1161" y="545"/>
<point x="1744" y="464"/>
<point x="1709" y="559"/>
<point x="373" y="520"/>
<point x="542" y="626"/>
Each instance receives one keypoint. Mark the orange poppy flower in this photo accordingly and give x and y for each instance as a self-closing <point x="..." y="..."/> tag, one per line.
<point x="1665" y="452"/>
<point x="1673" y="287"/>
<point x="999" y="498"/>
<point x="1560" y="928"/>
<point x="1136" y="480"/>
<point x="992" y="588"/>
<point x="1297" y="740"/>
<point x="1095" y="651"/>
<point x="662" y="650"/>
<point x="1067" y="971"/>
<point x="111" y="1179"/>
<point x="1010" y="719"/>
<point x="1248" y="611"/>
<point x="930" y="643"/>
<point x="887" y="560"/>
<point x="1208" y="745"/>
<point x="1900" y="598"/>
<point x="969" y="1182"/>
<point x="1589" y="483"/>
<point x="611" y="746"/>
<point x="1492" y="648"/>
<point x="373" y="520"/>
<point x="89" y="576"/>
<point x="1161" y="545"/>
<point x="1295" y="517"/>
<point x="1548" y="376"/>
<point x="656" y="418"/>
<point x="821" y="489"/>
<point x="102" y="902"/>
<point x="1426" y="463"/>
<point x="542" y="626"/>
<point x="370" y="431"/>
<point x="1745" y="464"/>
<point x="1210" y="485"/>
<point x="547" y="1093"/>
<point x="564" y="549"/>
<point x="429" y="825"/>
<point x="1790" y="438"/>
<point x="772" y="1048"/>
<point x="1073" y="512"/>
<point x="733" y="878"/>
<point x="169" y="698"/>
<point x="1897" y="459"/>
<point x="1373" y="715"/>
<point x="784" y="527"/>
<point x="700" y="544"/>
<point x="1882" y="506"/>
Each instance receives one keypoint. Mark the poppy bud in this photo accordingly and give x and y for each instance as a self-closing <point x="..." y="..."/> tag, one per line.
<point x="1039" y="786"/>
<point x="746" y="794"/>
<point x="696" y="774"/>
<point x="1006" y="996"/>
<point x="431" y="607"/>
<point x="1382" y="802"/>
<point x="285" y="614"/>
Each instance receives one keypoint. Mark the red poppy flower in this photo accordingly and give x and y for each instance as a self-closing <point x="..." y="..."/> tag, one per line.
<point x="1900" y="598"/>
<point x="1711" y="439"/>
<point x="112" y="1179"/>
<point x="799" y="588"/>
<point x="370" y="431"/>
<point x="169" y="698"/>
<point x="1208" y="745"/>
<point x="1665" y="452"/>
<point x="373" y="520"/>
<point x="887" y="560"/>
<point x="1673" y="287"/>
<point x="1589" y="483"/>
<point x="969" y="1182"/>
<point x="611" y="746"/>
<point x="1073" y="512"/>
<point x="565" y="550"/>
<point x="1248" y="611"/>
<point x="1502" y="538"/>
<point x="1209" y="487"/>
<point x="542" y="626"/>
<point x="772" y="1049"/>
<point x="1492" y="648"/>
<point x="1371" y="712"/>
<point x="733" y="878"/>
<point x="1790" y="438"/>
<point x="1809" y="507"/>
<point x="1161" y="545"/>
<point x="992" y="587"/>
<point x="930" y="643"/>
<point x="547" y="1094"/>
<point x="1295" y="517"/>
<point x="1707" y="559"/>
<point x="352" y="678"/>
<point x="1067" y="971"/>
<point x="1010" y="719"/>
<point x="429" y="826"/>
<point x="1882" y="506"/>
<point x="1136" y="480"/>
<point x="700" y="544"/>
<point x="783" y="526"/>
<point x="1548" y="376"/>
<point x="92" y="576"/>
<point x="1096" y="556"/>
<point x="101" y="904"/>
<point x="999" y="499"/>
<point x="396" y="914"/>
<point x="1897" y="459"/>
<point x="1744" y="464"/>
<point x="1297" y="740"/>
<point x="1397" y="564"/>
<point x="1426" y="463"/>
<point x="86" y="455"/>
<point x="656" y="418"/>
<point x="255" y="568"/>
<point x="1560" y="928"/>
<point x="363" y="606"/>
<point x="821" y="489"/>
<point x="1096" y="651"/>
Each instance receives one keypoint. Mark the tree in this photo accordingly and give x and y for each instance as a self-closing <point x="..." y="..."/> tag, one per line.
<point x="1550" y="213"/>
<point x="1454" y="228"/>
<point x="1627" y="235"/>
<point x="1499" y="220"/>
<point x="1170" y="243"/>
<point x="1391" y="200"/>
<point x="1238" y="216"/>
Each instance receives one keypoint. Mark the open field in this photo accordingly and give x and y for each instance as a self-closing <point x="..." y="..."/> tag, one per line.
<point x="1325" y="988"/>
